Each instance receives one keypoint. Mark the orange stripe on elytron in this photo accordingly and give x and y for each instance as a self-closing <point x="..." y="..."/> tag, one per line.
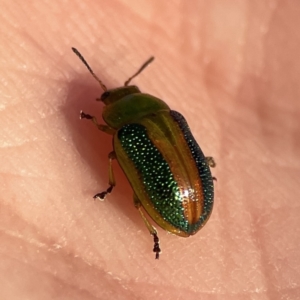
<point x="166" y="135"/>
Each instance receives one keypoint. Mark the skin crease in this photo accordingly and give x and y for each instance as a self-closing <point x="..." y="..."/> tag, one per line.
<point x="231" y="69"/>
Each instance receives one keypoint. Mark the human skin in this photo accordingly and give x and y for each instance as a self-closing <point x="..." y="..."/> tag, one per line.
<point x="230" y="67"/>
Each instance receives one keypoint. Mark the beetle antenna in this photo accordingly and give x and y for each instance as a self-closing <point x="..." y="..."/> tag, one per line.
<point x="104" y="88"/>
<point x="148" y="62"/>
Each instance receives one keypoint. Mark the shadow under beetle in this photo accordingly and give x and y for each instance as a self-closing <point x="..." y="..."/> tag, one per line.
<point x="169" y="174"/>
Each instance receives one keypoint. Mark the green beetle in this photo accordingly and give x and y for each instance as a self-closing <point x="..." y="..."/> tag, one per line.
<point x="169" y="174"/>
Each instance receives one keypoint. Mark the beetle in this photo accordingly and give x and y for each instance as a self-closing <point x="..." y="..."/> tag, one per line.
<point x="167" y="170"/>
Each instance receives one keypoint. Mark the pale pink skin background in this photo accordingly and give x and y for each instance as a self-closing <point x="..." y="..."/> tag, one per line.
<point x="231" y="67"/>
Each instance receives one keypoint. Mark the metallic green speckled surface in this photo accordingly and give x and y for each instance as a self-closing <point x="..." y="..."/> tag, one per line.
<point x="155" y="174"/>
<point x="157" y="178"/>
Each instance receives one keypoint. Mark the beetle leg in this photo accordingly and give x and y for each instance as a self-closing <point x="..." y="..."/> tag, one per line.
<point x="101" y="127"/>
<point x="152" y="230"/>
<point x="211" y="162"/>
<point x="111" y="180"/>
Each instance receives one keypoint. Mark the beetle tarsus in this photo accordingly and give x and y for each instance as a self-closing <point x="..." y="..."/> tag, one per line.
<point x="102" y="195"/>
<point x="101" y="127"/>
<point x="211" y="162"/>
<point x="156" y="248"/>
<point x="85" y="116"/>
